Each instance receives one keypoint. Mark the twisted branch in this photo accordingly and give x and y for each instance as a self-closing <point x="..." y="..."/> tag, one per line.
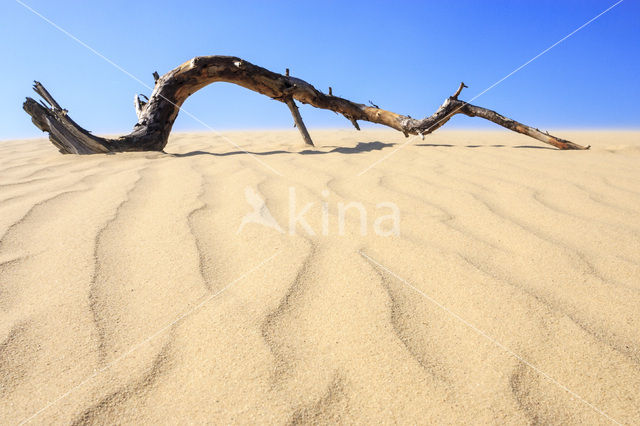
<point x="157" y="115"/>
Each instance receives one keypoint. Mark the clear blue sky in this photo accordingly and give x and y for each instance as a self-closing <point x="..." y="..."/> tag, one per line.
<point x="404" y="56"/>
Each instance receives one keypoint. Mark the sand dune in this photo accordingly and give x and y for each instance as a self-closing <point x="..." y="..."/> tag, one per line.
<point x="131" y="291"/>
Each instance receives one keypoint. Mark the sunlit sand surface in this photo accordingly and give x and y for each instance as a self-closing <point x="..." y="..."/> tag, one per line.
<point x="511" y="295"/>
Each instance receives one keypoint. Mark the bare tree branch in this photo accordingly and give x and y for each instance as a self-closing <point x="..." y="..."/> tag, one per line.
<point x="157" y="115"/>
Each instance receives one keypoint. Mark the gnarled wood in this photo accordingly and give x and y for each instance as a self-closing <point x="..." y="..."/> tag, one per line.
<point x="157" y="115"/>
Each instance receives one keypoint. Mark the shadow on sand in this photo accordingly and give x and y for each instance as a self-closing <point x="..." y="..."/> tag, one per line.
<point x="361" y="147"/>
<point x="485" y="146"/>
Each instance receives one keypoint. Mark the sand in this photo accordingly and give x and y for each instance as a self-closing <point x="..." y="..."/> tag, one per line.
<point x="511" y="294"/>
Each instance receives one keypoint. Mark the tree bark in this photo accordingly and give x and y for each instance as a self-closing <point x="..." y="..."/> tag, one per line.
<point x="157" y="114"/>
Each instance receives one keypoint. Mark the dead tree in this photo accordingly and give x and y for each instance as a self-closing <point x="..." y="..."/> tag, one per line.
<point x="157" y="113"/>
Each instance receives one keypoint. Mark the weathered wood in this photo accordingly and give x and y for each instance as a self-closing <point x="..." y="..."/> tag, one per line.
<point x="139" y="103"/>
<point x="297" y="119"/>
<point x="157" y="115"/>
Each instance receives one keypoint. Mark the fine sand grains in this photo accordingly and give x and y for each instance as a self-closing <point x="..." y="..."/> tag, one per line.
<point x="130" y="291"/>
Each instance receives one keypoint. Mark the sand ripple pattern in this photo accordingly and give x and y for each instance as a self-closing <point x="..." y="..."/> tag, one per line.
<point x="538" y="248"/>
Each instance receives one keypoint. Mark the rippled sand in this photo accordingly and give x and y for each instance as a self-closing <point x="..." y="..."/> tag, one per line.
<point x="511" y="295"/>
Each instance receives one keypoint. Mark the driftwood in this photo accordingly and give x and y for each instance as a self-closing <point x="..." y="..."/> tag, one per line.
<point x="157" y="113"/>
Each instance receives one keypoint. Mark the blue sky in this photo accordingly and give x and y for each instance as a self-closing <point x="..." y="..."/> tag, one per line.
<point x="404" y="56"/>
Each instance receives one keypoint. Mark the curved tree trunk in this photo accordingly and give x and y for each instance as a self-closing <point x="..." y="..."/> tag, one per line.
<point x="157" y="114"/>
